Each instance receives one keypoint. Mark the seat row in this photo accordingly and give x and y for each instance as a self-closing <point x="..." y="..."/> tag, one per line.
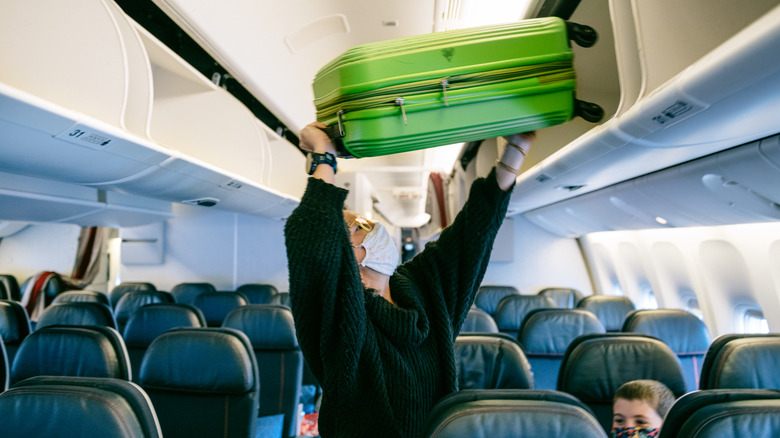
<point x="144" y="357"/>
<point x="595" y="365"/>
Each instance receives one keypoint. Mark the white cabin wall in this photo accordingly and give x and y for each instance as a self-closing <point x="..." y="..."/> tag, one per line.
<point x="727" y="269"/>
<point x="541" y="260"/>
<point x="221" y="248"/>
<point x="39" y="247"/>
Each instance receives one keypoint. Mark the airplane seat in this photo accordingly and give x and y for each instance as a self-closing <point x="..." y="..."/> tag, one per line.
<point x="150" y="321"/>
<point x="564" y="297"/>
<point x="504" y="413"/>
<point x="280" y="299"/>
<point x="5" y="367"/>
<point x="202" y="382"/>
<point x="611" y="310"/>
<point x="478" y="321"/>
<point x="271" y="330"/>
<point x="728" y="413"/>
<point x="133" y="300"/>
<point x="545" y="335"/>
<point x="216" y="305"/>
<point x="487" y="297"/>
<point x="491" y="361"/>
<point x="81" y="351"/>
<point x="39" y="290"/>
<point x="11" y="286"/>
<point x="594" y="366"/>
<point x="83" y="407"/>
<point x="81" y="296"/>
<point x="186" y="293"/>
<point x="683" y="332"/>
<point x="77" y="313"/>
<point x="257" y="293"/>
<point x="512" y="310"/>
<point x="123" y="288"/>
<point x="742" y="361"/>
<point x="14" y="326"/>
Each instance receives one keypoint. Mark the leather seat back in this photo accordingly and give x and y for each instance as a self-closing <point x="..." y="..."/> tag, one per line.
<point x="512" y="310"/>
<point x="77" y="313"/>
<point x="14" y="326"/>
<point x="478" y="321"/>
<point x="488" y="297"/>
<point x="216" y="305"/>
<point x="565" y="298"/>
<point x="747" y="361"/>
<point x="611" y="310"/>
<point x="491" y="361"/>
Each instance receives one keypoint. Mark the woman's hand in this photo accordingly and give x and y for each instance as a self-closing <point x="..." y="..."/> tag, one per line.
<point x="314" y="139"/>
<point x="508" y="166"/>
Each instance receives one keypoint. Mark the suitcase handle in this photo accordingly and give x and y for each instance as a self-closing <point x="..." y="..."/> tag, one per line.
<point x="336" y="133"/>
<point x="588" y="111"/>
<point x="584" y="36"/>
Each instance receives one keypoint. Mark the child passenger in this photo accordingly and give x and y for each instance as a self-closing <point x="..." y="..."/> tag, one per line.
<point x="639" y="409"/>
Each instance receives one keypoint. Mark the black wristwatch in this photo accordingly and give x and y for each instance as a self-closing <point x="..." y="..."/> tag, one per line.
<point x="314" y="159"/>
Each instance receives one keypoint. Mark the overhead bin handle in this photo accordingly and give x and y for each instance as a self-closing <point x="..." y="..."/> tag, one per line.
<point x="588" y="111"/>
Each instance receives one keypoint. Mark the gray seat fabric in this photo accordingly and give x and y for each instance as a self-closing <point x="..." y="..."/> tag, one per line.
<point x="77" y="313"/>
<point x="186" y="293"/>
<point x="688" y="406"/>
<point x="594" y="366"/>
<point x="491" y="361"/>
<point x="478" y="321"/>
<point x="611" y="310"/>
<point x="121" y="289"/>
<point x="488" y="297"/>
<point x="14" y="326"/>
<point x="150" y="321"/>
<point x="87" y="351"/>
<point x="258" y="293"/>
<point x="77" y="407"/>
<point x="512" y="310"/>
<point x="546" y="334"/>
<point x="133" y="300"/>
<point x="216" y="305"/>
<point x="79" y="296"/>
<point x="565" y="298"/>
<point x="511" y="414"/>
<point x="748" y="361"/>
<point x="202" y="382"/>
<point x="271" y="330"/>
<point x="683" y="332"/>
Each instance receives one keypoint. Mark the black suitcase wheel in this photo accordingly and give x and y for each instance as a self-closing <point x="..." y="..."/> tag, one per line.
<point x="588" y="111"/>
<point x="584" y="36"/>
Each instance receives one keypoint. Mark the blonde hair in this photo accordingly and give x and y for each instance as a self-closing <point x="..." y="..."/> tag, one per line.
<point x="653" y="392"/>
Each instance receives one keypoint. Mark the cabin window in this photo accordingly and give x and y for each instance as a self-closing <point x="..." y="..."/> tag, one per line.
<point x="648" y="300"/>
<point x="753" y="321"/>
<point x="692" y="306"/>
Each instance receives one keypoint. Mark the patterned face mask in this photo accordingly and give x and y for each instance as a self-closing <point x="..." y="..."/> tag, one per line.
<point x="634" y="432"/>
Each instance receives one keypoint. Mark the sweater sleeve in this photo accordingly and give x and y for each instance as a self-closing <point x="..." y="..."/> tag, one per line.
<point x="326" y="293"/>
<point x="455" y="263"/>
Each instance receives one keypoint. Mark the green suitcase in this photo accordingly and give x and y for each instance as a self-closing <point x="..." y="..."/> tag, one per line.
<point x="449" y="87"/>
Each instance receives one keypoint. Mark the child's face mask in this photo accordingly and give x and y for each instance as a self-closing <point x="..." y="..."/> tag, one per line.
<point x="381" y="253"/>
<point x="634" y="432"/>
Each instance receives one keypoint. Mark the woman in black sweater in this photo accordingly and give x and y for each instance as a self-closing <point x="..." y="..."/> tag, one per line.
<point x="381" y="345"/>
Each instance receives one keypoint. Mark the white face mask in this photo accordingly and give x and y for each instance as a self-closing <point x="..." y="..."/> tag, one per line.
<point x="381" y="253"/>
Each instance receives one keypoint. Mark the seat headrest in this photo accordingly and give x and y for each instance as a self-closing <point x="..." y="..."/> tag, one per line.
<point x="281" y="299"/>
<point x="565" y="298"/>
<point x="478" y="321"/>
<point x="267" y="326"/>
<point x="77" y="313"/>
<point x="487" y="297"/>
<point x="747" y="362"/>
<point x="595" y="365"/>
<point x="11" y="286"/>
<point x="523" y="413"/>
<point x="176" y="361"/>
<point x="88" y="351"/>
<point x="491" y="361"/>
<point x="77" y="406"/>
<point x="14" y="322"/>
<point x="186" y="293"/>
<point x="689" y="403"/>
<point x="78" y="296"/>
<point x="258" y="293"/>
<point x="549" y="332"/>
<point x="609" y="309"/>
<point x="512" y="310"/>
<point x="216" y="305"/>
<point x="133" y="300"/>
<point x="737" y="419"/>
<point x="683" y="332"/>
<point x="152" y="320"/>
<point x="117" y="292"/>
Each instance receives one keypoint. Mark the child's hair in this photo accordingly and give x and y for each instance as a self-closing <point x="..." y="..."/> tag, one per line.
<point x="655" y="393"/>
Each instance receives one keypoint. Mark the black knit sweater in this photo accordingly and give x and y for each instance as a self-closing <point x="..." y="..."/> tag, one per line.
<point x="382" y="367"/>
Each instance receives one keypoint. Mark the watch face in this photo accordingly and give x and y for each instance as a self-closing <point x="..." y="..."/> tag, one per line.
<point x="314" y="159"/>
